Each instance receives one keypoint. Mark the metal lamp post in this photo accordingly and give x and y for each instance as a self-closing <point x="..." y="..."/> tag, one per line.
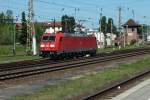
<point x="14" y="38"/>
<point x="125" y="35"/>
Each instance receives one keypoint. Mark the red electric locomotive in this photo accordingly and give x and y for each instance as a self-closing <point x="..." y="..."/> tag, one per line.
<point x="67" y="45"/>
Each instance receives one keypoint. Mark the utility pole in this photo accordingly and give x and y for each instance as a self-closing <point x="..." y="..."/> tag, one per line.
<point x="119" y="26"/>
<point x="111" y="32"/>
<point x="124" y="39"/>
<point x="142" y="34"/>
<point x="54" y="22"/>
<point x="119" y="22"/>
<point x="100" y="28"/>
<point x="143" y="27"/>
<point x="100" y="20"/>
<point x="133" y="14"/>
<point x="75" y="13"/>
<point x="66" y="25"/>
<point x="14" y="38"/>
<point x="28" y="44"/>
<point x="76" y="9"/>
<point x="31" y="38"/>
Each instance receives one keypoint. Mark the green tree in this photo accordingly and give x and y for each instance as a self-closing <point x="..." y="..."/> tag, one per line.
<point x="39" y="30"/>
<point x="68" y="23"/>
<point x="6" y="34"/>
<point x="6" y="29"/>
<point x="103" y="24"/>
<point x="110" y="25"/>
<point x="9" y="14"/>
<point x="23" y="35"/>
<point x="115" y="30"/>
<point x="142" y="31"/>
<point x="104" y="28"/>
<point x="64" y="23"/>
<point x="71" y="24"/>
<point x="2" y="17"/>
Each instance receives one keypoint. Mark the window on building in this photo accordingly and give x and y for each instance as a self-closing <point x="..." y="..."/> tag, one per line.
<point x="133" y="29"/>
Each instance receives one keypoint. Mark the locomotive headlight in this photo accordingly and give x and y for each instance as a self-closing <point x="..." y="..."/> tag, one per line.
<point x="42" y="45"/>
<point x="52" y="45"/>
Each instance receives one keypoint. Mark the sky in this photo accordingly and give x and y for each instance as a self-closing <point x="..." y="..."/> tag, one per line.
<point x="86" y="12"/>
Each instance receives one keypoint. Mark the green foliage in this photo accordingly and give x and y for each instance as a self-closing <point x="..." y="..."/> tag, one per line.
<point x="109" y="25"/>
<point x="72" y="24"/>
<point x="6" y="54"/>
<point x="6" y="34"/>
<point x="6" y="28"/>
<point x="23" y="35"/>
<point x="115" y="30"/>
<point x="6" y="18"/>
<point x="39" y="30"/>
<point x="87" y="83"/>
<point x="9" y="16"/>
<point x="18" y="32"/>
<point x="139" y="30"/>
<point x="142" y="30"/>
<point x="133" y="42"/>
<point x="103" y="24"/>
<point x="68" y="23"/>
<point x="64" y="27"/>
<point x="2" y="16"/>
<point x="106" y="26"/>
<point x="6" y="50"/>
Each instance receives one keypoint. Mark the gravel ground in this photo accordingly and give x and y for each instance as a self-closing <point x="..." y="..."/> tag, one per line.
<point x="31" y="84"/>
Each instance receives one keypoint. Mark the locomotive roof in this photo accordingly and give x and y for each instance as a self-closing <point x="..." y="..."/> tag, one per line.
<point x="68" y="34"/>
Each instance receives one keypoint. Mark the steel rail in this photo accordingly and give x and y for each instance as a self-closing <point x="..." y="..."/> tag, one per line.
<point x="56" y="67"/>
<point x="114" y="86"/>
<point x="42" y="62"/>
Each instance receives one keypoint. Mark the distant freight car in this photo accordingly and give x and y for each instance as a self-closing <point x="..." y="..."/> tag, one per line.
<point x="67" y="45"/>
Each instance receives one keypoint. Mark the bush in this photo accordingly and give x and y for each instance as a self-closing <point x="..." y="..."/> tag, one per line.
<point x="133" y="42"/>
<point x="6" y="34"/>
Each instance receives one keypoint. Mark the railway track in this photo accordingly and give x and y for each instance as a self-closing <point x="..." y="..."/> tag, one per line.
<point x="42" y="62"/>
<point x="38" y="67"/>
<point x="108" y="92"/>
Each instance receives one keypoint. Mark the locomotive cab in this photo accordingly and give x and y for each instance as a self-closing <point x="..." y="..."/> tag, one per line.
<point x="49" y="45"/>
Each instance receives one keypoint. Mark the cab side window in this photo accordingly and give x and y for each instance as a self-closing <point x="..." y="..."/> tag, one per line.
<point x="60" y="39"/>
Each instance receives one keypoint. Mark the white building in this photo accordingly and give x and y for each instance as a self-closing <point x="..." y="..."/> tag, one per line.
<point x="148" y="38"/>
<point x="99" y="37"/>
<point x="51" y="27"/>
<point x="110" y="38"/>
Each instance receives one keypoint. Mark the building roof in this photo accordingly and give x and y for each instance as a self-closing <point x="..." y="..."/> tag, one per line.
<point x="45" y="24"/>
<point x="52" y="24"/>
<point x="131" y="23"/>
<point x="18" y="26"/>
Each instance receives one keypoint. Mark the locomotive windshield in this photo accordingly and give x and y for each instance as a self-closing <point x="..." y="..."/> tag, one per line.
<point x="48" y="38"/>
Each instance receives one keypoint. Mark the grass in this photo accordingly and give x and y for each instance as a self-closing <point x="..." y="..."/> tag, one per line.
<point x="7" y="59"/>
<point x="6" y="50"/>
<point x="90" y="82"/>
<point x="6" y="54"/>
<point x="110" y="49"/>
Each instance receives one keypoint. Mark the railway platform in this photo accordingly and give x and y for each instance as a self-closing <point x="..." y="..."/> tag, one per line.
<point x="139" y="92"/>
